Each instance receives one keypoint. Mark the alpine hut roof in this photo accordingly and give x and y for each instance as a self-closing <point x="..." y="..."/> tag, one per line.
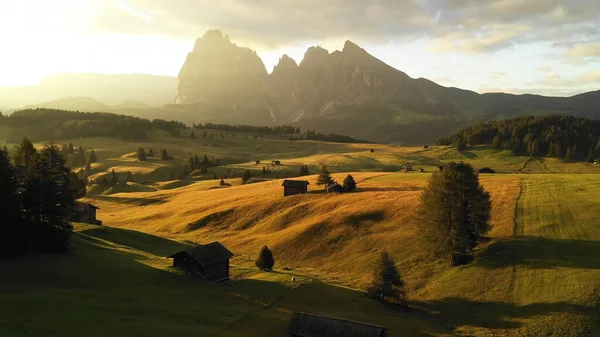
<point x="308" y="325"/>
<point x="79" y="203"/>
<point x="207" y="254"/>
<point x="295" y="183"/>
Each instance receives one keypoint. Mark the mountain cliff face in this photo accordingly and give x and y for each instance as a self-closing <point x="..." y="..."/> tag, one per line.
<point x="348" y="92"/>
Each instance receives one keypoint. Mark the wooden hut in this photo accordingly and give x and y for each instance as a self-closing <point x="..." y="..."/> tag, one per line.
<point x="275" y="162"/>
<point x="308" y="325"/>
<point x="294" y="187"/>
<point x="334" y="188"/>
<point x="407" y="168"/>
<point x="84" y="212"/>
<point x="211" y="261"/>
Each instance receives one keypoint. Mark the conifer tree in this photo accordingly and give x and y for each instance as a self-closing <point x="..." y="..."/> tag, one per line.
<point x="205" y="161"/>
<point x="71" y="149"/>
<point x="93" y="158"/>
<point x="568" y="155"/>
<point x="164" y="155"/>
<point x="265" y="261"/>
<point x="88" y="168"/>
<point x="80" y="156"/>
<point x="324" y="177"/>
<point x="454" y="212"/>
<point x="387" y="282"/>
<point x="222" y="182"/>
<point x="150" y="153"/>
<point x="13" y="234"/>
<point x="141" y="154"/>
<point x="204" y="169"/>
<point x="247" y="176"/>
<point x="129" y="178"/>
<point x="349" y="183"/>
<point x="64" y="151"/>
<point x="192" y="135"/>
<point x="591" y="155"/>
<point x="114" y="180"/>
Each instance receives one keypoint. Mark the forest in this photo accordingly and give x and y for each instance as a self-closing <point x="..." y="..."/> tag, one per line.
<point x="45" y="124"/>
<point x="566" y="137"/>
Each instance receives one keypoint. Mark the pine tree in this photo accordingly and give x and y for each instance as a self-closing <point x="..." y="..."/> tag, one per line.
<point x="64" y="151"/>
<point x="150" y="153"/>
<point x="324" y="177"/>
<point x="88" y="168"/>
<point x="222" y="182"/>
<point x="76" y="185"/>
<point x="349" y="183"/>
<point x="387" y="282"/>
<point x="204" y="169"/>
<point x="568" y="155"/>
<point x="141" y="154"/>
<point x="55" y="200"/>
<point x="591" y="155"/>
<point x="114" y="180"/>
<point x="265" y="259"/>
<point x="196" y="163"/>
<point x="71" y="149"/>
<point x="13" y="234"/>
<point x="172" y="176"/>
<point x="80" y="156"/>
<point x="205" y="161"/>
<point x="129" y="178"/>
<point x="454" y="212"/>
<point x="192" y="135"/>
<point x="164" y="155"/>
<point x="93" y="158"/>
<point x="497" y="142"/>
<point x="304" y="170"/>
<point x="247" y="175"/>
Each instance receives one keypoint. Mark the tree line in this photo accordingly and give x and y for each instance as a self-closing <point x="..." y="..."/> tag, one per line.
<point x="44" y="124"/>
<point x="268" y="130"/>
<point x="37" y="197"/>
<point x="565" y="137"/>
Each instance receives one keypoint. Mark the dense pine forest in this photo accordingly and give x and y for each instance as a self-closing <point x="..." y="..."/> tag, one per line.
<point x="45" y="124"/>
<point x="566" y="137"/>
<point x="37" y="194"/>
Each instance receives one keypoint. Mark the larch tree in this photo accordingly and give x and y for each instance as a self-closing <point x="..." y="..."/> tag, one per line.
<point x="324" y="177"/>
<point x="265" y="260"/>
<point x="454" y="212"/>
<point x="387" y="282"/>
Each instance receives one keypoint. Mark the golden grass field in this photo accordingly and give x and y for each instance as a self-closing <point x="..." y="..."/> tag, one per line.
<point x="539" y="275"/>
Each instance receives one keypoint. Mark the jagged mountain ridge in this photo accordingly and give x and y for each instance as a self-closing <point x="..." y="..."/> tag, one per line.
<point x="347" y="91"/>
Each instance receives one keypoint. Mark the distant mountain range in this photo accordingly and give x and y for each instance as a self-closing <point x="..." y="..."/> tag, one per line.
<point x="149" y="90"/>
<point x="347" y="92"/>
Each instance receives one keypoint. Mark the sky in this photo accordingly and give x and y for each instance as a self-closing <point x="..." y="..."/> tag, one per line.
<point x="546" y="47"/>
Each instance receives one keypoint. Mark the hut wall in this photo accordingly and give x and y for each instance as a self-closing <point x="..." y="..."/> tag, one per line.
<point x="217" y="271"/>
<point x="292" y="190"/>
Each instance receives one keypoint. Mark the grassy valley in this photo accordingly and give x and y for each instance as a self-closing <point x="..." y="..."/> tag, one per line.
<point x="538" y="275"/>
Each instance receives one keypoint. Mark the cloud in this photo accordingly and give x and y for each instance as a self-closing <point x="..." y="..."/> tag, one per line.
<point x="466" y="26"/>
<point x="544" y="69"/>
<point x="592" y="77"/>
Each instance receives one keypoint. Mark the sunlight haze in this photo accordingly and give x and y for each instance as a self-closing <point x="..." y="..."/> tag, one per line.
<point x="542" y="47"/>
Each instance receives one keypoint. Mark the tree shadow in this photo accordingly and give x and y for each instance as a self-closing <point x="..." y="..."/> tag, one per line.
<point x="452" y="312"/>
<point x="141" y="241"/>
<point x="541" y="253"/>
<point x="388" y="189"/>
<point x="130" y="201"/>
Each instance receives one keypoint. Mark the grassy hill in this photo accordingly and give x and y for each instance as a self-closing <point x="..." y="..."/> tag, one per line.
<point x="538" y="275"/>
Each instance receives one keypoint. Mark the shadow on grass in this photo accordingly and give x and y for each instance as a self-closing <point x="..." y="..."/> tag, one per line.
<point x="540" y="253"/>
<point x="141" y="241"/>
<point x="129" y="201"/>
<point x="453" y="312"/>
<point x="388" y="189"/>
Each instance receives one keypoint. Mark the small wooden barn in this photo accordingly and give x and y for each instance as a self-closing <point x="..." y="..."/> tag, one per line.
<point x="308" y="325"/>
<point x="407" y="168"/>
<point x="294" y="187"/>
<point x="275" y="162"/>
<point x="211" y="261"/>
<point x="84" y="212"/>
<point x="334" y="188"/>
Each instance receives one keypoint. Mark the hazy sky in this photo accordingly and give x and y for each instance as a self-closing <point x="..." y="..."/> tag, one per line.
<point x="540" y="46"/>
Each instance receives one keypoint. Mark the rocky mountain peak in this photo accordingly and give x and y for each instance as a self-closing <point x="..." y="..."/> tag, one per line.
<point x="285" y="63"/>
<point x="314" y="55"/>
<point x="351" y="47"/>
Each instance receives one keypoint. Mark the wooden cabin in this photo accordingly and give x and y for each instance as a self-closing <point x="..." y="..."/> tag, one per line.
<point x="308" y="325"/>
<point x="84" y="212"/>
<point x="294" y="187"/>
<point x="276" y="162"/>
<point x="407" y="168"/>
<point x="421" y="170"/>
<point x="334" y="188"/>
<point x="210" y="261"/>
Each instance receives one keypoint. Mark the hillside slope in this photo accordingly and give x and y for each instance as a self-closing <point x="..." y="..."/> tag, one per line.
<point x="539" y="274"/>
